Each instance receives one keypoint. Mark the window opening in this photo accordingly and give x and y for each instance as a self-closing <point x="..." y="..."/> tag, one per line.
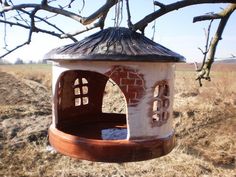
<point x="77" y="91"/>
<point x="84" y="81"/>
<point x="76" y="82"/>
<point x="77" y="101"/>
<point x="59" y="93"/>
<point x="85" y="89"/>
<point x="161" y="104"/>
<point x="156" y="91"/>
<point x="166" y="90"/>
<point x="81" y="91"/>
<point x="85" y="100"/>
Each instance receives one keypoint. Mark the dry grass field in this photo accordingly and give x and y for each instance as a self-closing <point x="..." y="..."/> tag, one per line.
<point x="205" y="124"/>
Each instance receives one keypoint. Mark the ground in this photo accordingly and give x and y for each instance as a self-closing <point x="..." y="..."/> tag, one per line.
<point x="204" y="119"/>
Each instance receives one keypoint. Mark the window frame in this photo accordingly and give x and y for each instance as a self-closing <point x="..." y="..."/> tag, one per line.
<point x="161" y="104"/>
<point x="81" y="97"/>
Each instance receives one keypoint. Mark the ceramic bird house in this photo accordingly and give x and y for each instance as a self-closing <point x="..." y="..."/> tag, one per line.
<point x="144" y="72"/>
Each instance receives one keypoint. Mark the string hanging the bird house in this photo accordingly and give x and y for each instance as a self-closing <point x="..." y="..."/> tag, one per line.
<point x="118" y="13"/>
<point x="154" y="23"/>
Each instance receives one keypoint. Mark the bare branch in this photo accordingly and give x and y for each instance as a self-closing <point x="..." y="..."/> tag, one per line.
<point x="82" y="6"/>
<point x="97" y="19"/>
<point x="128" y="14"/>
<point x="207" y="17"/>
<point x="102" y="13"/>
<point x="36" y="30"/>
<point x="99" y="12"/>
<point x="4" y="2"/>
<point x="88" y="28"/>
<point x="43" y="7"/>
<point x="50" y="24"/>
<point x="207" y="34"/>
<point x="100" y="24"/>
<point x="84" y="20"/>
<point x="213" y="16"/>
<point x="101" y="21"/>
<point x="32" y="24"/>
<point x="14" y="24"/>
<point x="140" y="25"/>
<point x="204" y="73"/>
<point x="12" y="50"/>
<point x="161" y="5"/>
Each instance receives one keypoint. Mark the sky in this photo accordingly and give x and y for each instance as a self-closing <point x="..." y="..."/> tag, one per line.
<point x="174" y="30"/>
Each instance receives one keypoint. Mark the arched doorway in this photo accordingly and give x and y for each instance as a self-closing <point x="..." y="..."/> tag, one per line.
<point x="114" y="102"/>
<point x="80" y="112"/>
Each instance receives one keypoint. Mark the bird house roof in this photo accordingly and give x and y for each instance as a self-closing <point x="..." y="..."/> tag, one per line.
<point x="115" y="44"/>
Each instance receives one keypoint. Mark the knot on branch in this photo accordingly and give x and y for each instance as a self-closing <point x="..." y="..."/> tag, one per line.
<point x="159" y="4"/>
<point x="203" y="74"/>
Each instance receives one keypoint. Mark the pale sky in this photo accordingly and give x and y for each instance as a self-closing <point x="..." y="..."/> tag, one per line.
<point x="174" y="30"/>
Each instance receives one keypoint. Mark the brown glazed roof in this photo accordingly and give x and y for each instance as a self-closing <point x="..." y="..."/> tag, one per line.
<point x="115" y="44"/>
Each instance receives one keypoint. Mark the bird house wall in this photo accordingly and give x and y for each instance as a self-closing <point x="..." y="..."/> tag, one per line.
<point x="138" y="81"/>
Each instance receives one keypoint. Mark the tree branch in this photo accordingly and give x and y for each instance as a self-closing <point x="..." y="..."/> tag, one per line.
<point x="213" y="16"/>
<point x="50" y="24"/>
<point x="43" y="7"/>
<point x="207" y="34"/>
<point x="204" y="73"/>
<point x="100" y="24"/>
<point x="161" y="5"/>
<point x="100" y="12"/>
<point x="128" y="14"/>
<point x="12" y="50"/>
<point x="164" y="9"/>
<point x="36" y="30"/>
<point x="32" y="25"/>
<point x="207" y="17"/>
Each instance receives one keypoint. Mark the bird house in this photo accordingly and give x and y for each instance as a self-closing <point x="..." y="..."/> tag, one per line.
<point x="143" y="71"/>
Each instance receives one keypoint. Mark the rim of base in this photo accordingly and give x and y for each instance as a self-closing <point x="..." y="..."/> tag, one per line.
<point x="109" y="150"/>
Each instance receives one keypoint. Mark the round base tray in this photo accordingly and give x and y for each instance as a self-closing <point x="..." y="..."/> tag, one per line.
<point x="108" y="150"/>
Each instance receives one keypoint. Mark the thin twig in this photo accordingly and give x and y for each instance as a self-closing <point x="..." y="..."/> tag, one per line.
<point x="44" y="7"/>
<point x="88" y="28"/>
<point x="140" y="25"/>
<point x="37" y="29"/>
<point x="204" y="73"/>
<point x="161" y="5"/>
<point x="99" y="12"/>
<point x="207" y="34"/>
<point x="207" y="17"/>
<point x="82" y="6"/>
<point x="12" y="50"/>
<point x="50" y="24"/>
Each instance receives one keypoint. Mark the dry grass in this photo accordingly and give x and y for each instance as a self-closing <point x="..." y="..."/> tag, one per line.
<point x="34" y="160"/>
<point x="205" y="120"/>
<point x="40" y="73"/>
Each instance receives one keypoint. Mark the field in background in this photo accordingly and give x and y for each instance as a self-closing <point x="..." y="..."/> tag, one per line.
<point x="204" y="117"/>
<point x="40" y="73"/>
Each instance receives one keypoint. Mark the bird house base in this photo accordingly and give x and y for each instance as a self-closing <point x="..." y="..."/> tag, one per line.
<point x="106" y="141"/>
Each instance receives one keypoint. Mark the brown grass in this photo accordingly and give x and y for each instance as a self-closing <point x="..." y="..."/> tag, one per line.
<point x="40" y="73"/>
<point x="205" y="121"/>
